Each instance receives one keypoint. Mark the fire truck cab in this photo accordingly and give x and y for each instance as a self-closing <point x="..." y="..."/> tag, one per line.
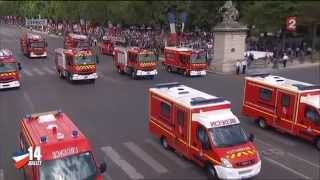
<point x="64" y="151"/>
<point x="9" y="70"/>
<point x="288" y="105"/>
<point x="76" y="64"/>
<point x="135" y="61"/>
<point x="188" y="61"/>
<point x="203" y="129"/>
<point x="108" y="44"/>
<point x="76" y="41"/>
<point x="33" y="45"/>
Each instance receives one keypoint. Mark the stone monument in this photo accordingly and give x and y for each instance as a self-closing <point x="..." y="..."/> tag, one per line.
<point x="229" y="40"/>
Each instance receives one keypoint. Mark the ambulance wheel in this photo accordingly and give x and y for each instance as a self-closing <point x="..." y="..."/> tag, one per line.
<point x="317" y="143"/>
<point x="164" y="143"/>
<point x="211" y="171"/>
<point x="262" y="123"/>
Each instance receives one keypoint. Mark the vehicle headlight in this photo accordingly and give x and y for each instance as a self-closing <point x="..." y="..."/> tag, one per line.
<point x="226" y="163"/>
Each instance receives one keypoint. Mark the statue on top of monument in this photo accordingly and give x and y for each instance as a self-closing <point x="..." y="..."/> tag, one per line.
<point x="229" y="13"/>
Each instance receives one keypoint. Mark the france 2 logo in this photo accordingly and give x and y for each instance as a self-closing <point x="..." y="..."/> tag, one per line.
<point x="32" y="157"/>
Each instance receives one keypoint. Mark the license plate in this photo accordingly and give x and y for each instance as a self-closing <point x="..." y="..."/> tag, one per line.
<point x="86" y="77"/>
<point x="148" y="73"/>
<point x="244" y="172"/>
<point x="199" y="73"/>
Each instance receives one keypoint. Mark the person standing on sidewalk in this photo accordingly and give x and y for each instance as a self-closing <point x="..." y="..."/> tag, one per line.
<point x="238" y="66"/>
<point x="285" y="59"/>
<point x="244" y="65"/>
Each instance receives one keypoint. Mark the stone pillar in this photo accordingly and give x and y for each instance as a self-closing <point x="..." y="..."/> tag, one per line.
<point x="229" y="46"/>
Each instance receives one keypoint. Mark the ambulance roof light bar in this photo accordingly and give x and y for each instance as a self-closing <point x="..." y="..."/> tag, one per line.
<point x="36" y="115"/>
<point x="43" y="139"/>
<point x="202" y="101"/>
<point x="304" y="87"/>
<point x="167" y="85"/>
<point x="259" y="75"/>
<point x="74" y="133"/>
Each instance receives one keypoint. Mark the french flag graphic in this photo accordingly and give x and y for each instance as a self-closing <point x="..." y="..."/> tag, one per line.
<point x="20" y="159"/>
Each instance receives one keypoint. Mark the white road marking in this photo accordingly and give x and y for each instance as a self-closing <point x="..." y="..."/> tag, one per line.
<point x="1" y="174"/>
<point x="170" y="155"/>
<point x="107" y="78"/>
<point x="290" y="154"/>
<point x="123" y="164"/>
<point x="28" y="73"/>
<point x="303" y="160"/>
<point x="29" y="101"/>
<point x="38" y="71"/>
<point x="286" y="167"/>
<point x="50" y="71"/>
<point x="146" y="158"/>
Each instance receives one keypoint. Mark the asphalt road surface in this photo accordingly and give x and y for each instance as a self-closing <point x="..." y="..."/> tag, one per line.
<point x="112" y="112"/>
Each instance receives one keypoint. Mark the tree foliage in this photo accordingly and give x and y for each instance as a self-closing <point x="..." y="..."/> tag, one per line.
<point x="264" y="15"/>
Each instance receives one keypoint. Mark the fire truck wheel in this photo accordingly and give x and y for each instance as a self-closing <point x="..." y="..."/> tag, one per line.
<point x="169" y="69"/>
<point x="317" y="143"/>
<point x="262" y="123"/>
<point x="164" y="143"/>
<point x="211" y="171"/>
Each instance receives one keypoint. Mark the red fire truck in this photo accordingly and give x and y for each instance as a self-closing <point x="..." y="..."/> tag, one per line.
<point x="135" y="61"/>
<point x="288" y="105"/>
<point x="185" y="60"/>
<point x="76" y="41"/>
<point x="202" y="128"/>
<point x="108" y="44"/>
<point x="75" y="64"/>
<point x="60" y="149"/>
<point x="33" y="45"/>
<point x="9" y="70"/>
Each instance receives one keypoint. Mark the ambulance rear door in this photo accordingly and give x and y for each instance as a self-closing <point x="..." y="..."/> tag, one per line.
<point x="285" y="109"/>
<point x="181" y="123"/>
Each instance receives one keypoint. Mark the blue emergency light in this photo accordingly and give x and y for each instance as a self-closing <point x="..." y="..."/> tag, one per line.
<point x="201" y="101"/>
<point x="167" y="85"/>
<point x="74" y="133"/>
<point x="43" y="139"/>
<point x="305" y="87"/>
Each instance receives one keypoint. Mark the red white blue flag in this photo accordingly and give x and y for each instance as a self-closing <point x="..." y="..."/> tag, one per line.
<point x="20" y="159"/>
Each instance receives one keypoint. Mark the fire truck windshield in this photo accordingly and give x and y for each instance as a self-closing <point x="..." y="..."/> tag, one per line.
<point x="39" y="44"/>
<point x="228" y="135"/>
<point x="198" y="57"/>
<point x="7" y="67"/>
<point x="76" y="167"/>
<point x="84" y="59"/>
<point x="146" y="57"/>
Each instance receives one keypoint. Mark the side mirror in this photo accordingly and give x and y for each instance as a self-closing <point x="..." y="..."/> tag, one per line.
<point x="103" y="167"/>
<point x="251" y="137"/>
<point x="19" y="66"/>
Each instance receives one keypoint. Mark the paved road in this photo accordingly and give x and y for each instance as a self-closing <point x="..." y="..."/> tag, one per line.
<point x="113" y="114"/>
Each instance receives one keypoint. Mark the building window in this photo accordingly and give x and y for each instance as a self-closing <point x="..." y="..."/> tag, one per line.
<point x="285" y="100"/>
<point x="165" y="110"/>
<point x="180" y="117"/>
<point x="265" y="94"/>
